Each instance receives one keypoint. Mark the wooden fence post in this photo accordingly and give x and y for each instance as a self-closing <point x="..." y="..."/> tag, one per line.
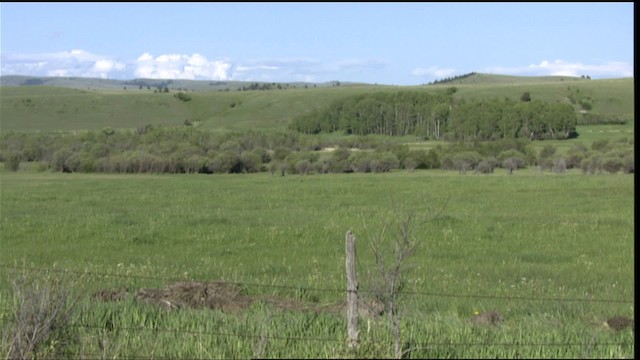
<point x="352" y="291"/>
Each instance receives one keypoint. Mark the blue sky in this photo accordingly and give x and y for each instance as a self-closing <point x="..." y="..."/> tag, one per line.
<point x="384" y="43"/>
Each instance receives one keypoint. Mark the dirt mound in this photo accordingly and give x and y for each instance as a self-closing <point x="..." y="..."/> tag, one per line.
<point x="191" y="294"/>
<point x="618" y="323"/>
<point x="228" y="298"/>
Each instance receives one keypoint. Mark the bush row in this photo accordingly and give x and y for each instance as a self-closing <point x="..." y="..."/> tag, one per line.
<point x="188" y="150"/>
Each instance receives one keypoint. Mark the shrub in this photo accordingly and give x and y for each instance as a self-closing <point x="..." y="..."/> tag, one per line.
<point x="466" y="160"/>
<point x="545" y="164"/>
<point x="432" y="160"/>
<point x="510" y="164"/>
<point x="575" y="154"/>
<point x="303" y="166"/>
<point x="628" y="164"/>
<point x="42" y="310"/>
<point x="410" y="164"/>
<point x="547" y="152"/>
<point x="600" y="145"/>
<point x="361" y="162"/>
<point x="12" y="161"/>
<point x="586" y="104"/>
<point x="339" y="161"/>
<point x="59" y="160"/>
<point x="592" y="164"/>
<point x="511" y="160"/>
<point x="226" y="162"/>
<point x="385" y="162"/>
<point x="182" y="96"/>
<point x="559" y="166"/>
<point x="612" y="164"/>
<point x="487" y="165"/>
<point x="250" y="162"/>
<point x="322" y="166"/>
<point x="484" y="167"/>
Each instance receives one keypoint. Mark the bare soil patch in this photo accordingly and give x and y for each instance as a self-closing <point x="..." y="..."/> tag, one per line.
<point x="227" y="297"/>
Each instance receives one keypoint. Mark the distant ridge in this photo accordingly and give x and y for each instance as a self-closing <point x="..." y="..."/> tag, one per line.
<point x="483" y="78"/>
<point x="174" y="84"/>
<point x="84" y="83"/>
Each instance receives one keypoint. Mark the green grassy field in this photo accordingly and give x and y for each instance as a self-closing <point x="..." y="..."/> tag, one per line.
<point x="609" y="96"/>
<point x="45" y="108"/>
<point x="572" y="241"/>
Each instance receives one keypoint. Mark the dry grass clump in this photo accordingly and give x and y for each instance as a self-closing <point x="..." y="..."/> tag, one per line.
<point x="40" y="318"/>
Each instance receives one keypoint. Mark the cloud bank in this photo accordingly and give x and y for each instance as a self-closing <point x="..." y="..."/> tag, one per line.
<point x="303" y="69"/>
<point x="433" y="72"/>
<point x="66" y="63"/>
<point x="564" y="68"/>
<point x="179" y="66"/>
<point x="81" y="63"/>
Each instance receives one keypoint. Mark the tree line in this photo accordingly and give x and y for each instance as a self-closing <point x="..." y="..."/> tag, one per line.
<point x="440" y="116"/>
<point x="452" y="78"/>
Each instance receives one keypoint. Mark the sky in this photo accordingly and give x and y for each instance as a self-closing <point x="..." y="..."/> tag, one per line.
<point x="377" y="43"/>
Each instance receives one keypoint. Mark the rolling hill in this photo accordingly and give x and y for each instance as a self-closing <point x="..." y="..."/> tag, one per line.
<point x="69" y="104"/>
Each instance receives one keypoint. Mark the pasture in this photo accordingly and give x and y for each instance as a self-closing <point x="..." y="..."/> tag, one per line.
<point x="552" y="253"/>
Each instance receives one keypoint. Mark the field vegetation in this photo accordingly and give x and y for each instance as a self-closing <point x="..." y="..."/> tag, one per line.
<point x="556" y="269"/>
<point x="159" y="224"/>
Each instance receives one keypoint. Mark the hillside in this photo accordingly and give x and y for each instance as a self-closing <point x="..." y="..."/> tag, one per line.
<point x="481" y="78"/>
<point x="86" y="104"/>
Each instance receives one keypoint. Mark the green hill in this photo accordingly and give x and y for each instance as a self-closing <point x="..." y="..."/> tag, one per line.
<point x="33" y="104"/>
<point x="480" y="78"/>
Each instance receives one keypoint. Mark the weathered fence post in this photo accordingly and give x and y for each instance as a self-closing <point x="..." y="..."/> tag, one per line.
<point x="352" y="291"/>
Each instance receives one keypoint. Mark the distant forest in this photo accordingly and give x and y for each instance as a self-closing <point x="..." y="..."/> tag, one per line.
<point x="452" y="78"/>
<point x="439" y="116"/>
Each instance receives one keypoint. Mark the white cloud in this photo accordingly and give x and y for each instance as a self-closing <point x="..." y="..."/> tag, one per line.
<point x="302" y="69"/>
<point x="104" y="67"/>
<point x="58" y="72"/>
<point x="145" y="57"/>
<point x="179" y="66"/>
<point x="271" y="70"/>
<point x="433" y="72"/>
<point x="609" y="69"/>
<point x="243" y="68"/>
<point x="65" y="63"/>
<point x="81" y="63"/>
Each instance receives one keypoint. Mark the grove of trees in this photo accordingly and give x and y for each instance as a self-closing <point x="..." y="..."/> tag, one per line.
<point x="439" y="116"/>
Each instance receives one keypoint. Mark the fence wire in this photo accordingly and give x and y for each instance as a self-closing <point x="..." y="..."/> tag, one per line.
<point x="315" y="289"/>
<point x="263" y="337"/>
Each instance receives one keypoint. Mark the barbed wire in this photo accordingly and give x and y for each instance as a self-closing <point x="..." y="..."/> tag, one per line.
<point x="334" y="340"/>
<point x="216" y="333"/>
<point x="316" y="289"/>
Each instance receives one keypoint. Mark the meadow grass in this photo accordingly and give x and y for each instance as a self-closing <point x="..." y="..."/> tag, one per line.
<point x="533" y="246"/>
<point x="608" y="96"/>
